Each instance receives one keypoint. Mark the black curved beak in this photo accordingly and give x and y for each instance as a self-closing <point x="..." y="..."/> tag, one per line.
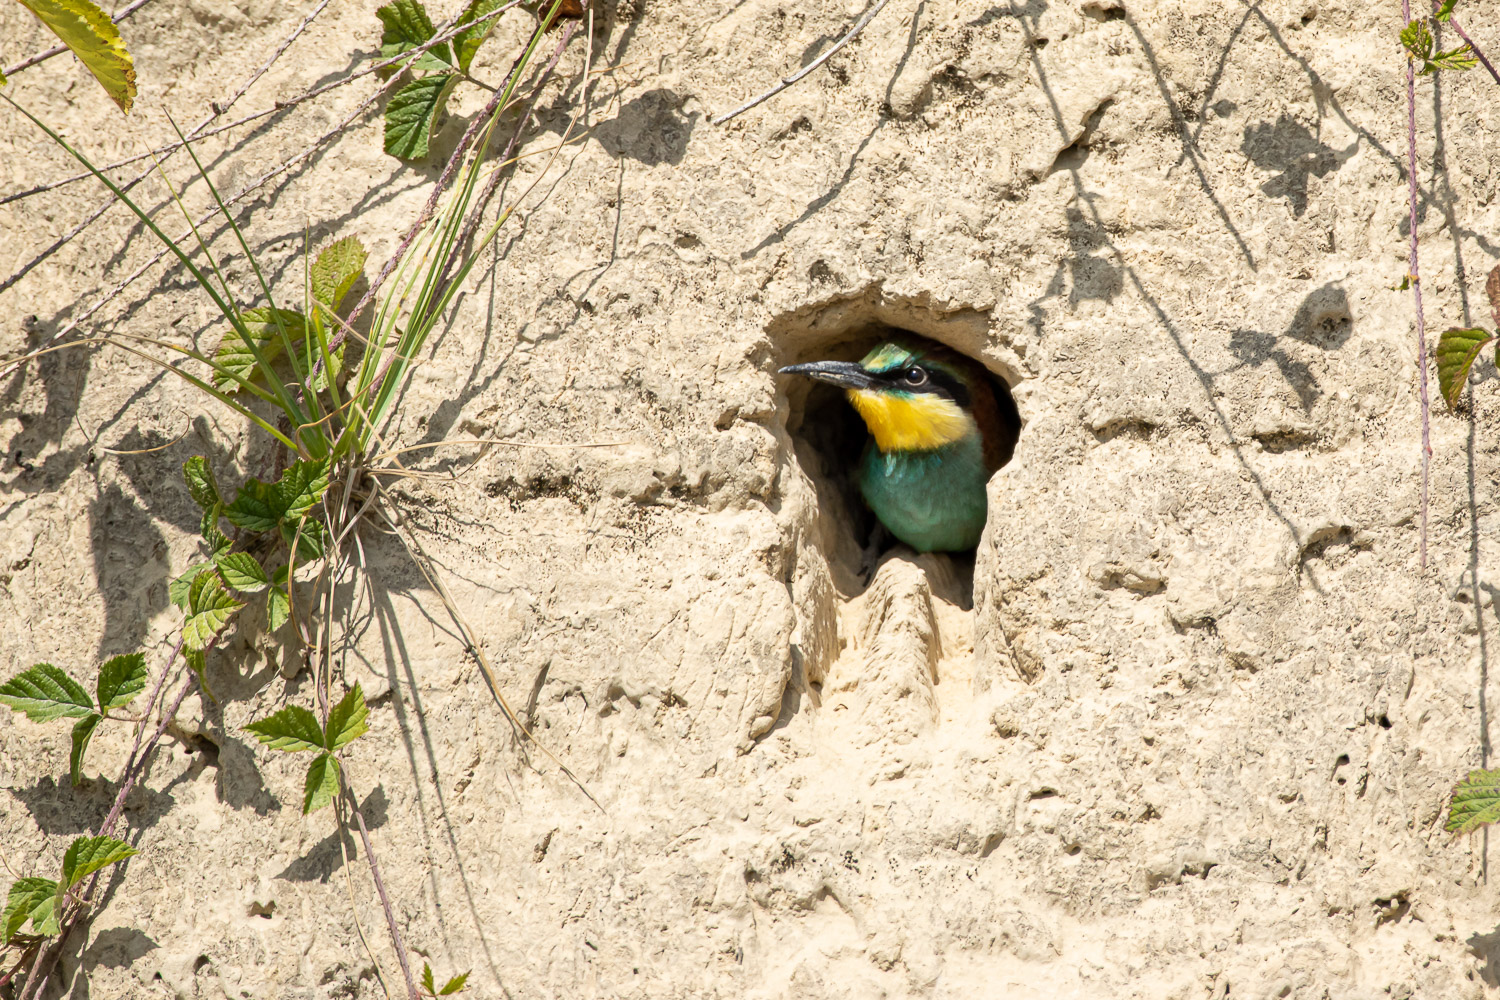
<point x="844" y="374"/>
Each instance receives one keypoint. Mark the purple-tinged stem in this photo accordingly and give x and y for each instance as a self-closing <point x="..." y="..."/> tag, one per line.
<point x="1416" y="278"/>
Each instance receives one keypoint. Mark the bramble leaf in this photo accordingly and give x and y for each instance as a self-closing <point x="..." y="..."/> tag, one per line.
<point x="407" y="26"/>
<point x="322" y="783"/>
<point x="209" y="527"/>
<point x="179" y="589"/>
<point x="234" y="355"/>
<point x="45" y="693"/>
<point x="1417" y="40"/>
<point x="1460" y="59"/>
<point x="299" y="488"/>
<point x="337" y="268"/>
<point x="254" y="507"/>
<point x="466" y="43"/>
<point x="28" y="898"/>
<point x="292" y="729"/>
<point x="94" y="39"/>
<point x="83" y="731"/>
<point x="427" y="979"/>
<point x="200" y="482"/>
<point x="454" y="985"/>
<point x="1475" y="802"/>
<point x="210" y="606"/>
<point x="1445" y="11"/>
<point x="346" y="720"/>
<point x="278" y="608"/>
<point x="1455" y="354"/>
<point x="410" y="113"/>
<point x="120" y="679"/>
<point x="242" y="572"/>
<point x="87" y="855"/>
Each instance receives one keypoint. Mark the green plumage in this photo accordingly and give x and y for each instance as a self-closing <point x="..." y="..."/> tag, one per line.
<point x="940" y="427"/>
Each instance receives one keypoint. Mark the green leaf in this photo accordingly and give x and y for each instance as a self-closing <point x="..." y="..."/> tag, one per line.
<point x="254" y="507"/>
<point x="278" y="608"/>
<point x="1445" y="11"/>
<point x="1416" y="39"/>
<point x="337" y="268"/>
<point x="346" y="720"/>
<point x="466" y="43"/>
<point x="87" y="855"/>
<point x="1475" y="802"/>
<point x="180" y="589"/>
<point x="410" y="113"/>
<point x="120" y="679"/>
<point x="427" y="983"/>
<point x="407" y="26"/>
<point x="210" y="606"/>
<point x="454" y="985"/>
<point x="44" y="918"/>
<point x="3" y="82"/>
<point x="83" y="731"/>
<point x="299" y="488"/>
<point x="200" y="481"/>
<point x="1455" y="354"/>
<point x="45" y="693"/>
<point x="312" y="542"/>
<point x="292" y="729"/>
<point x="322" y="783"/>
<point x="1459" y="59"/>
<point x="235" y="356"/>
<point x="26" y="899"/>
<point x="242" y="572"/>
<point x="95" y="40"/>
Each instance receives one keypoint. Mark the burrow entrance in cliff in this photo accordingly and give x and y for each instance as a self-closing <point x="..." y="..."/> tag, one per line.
<point x="881" y="614"/>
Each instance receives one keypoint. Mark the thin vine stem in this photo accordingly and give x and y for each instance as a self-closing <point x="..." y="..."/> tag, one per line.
<point x="1416" y="280"/>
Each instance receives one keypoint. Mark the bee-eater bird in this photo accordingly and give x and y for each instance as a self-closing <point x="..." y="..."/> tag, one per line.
<point x="938" y="429"/>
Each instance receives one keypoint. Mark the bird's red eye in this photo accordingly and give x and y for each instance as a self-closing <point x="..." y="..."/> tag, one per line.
<point x="915" y="376"/>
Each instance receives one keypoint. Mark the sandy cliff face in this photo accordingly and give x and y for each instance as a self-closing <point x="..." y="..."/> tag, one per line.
<point x="1186" y="726"/>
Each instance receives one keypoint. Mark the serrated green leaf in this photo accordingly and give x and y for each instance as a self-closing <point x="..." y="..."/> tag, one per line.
<point x="337" y="268"/>
<point x="26" y="896"/>
<point x="466" y="43"/>
<point x="312" y="540"/>
<point x="292" y="729"/>
<point x="210" y="606"/>
<point x="83" y="731"/>
<point x="242" y="572"/>
<point x="407" y="26"/>
<point x="1459" y="59"/>
<point x="300" y="486"/>
<point x="1455" y="354"/>
<point x="87" y="855"/>
<point x="254" y="507"/>
<point x="410" y="113"/>
<point x="1416" y="39"/>
<point x="278" y="608"/>
<point x="322" y="783"/>
<point x="1445" y="11"/>
<point x="179" y="589"/>
<point x="427" y="979"/>
<point x="346" y="720"/>
<point x="120" y="679"/>
<point x="200" y="482"/>
<point x="454" y="985"/>
<point x="234" y="355"/>
<point x="1475" y="802"/>
<point x="45" y="693"/>
<point x="94" y="39"/>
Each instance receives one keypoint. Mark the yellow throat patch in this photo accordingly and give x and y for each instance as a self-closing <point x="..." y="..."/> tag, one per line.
<point x="911" y="422"/>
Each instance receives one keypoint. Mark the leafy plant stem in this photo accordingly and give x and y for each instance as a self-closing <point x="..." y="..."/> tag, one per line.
<point x="1416" y="280"/>
<point x="134" y="768"/>
<point x="1478" y="52"/>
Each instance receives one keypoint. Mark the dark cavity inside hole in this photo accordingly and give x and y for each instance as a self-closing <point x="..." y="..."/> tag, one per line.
<point x="830" y="437"/>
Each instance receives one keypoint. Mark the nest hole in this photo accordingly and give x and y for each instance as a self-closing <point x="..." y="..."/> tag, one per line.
<point x="829" y="437"/>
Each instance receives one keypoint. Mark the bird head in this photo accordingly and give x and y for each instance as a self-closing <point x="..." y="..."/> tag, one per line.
<point x="912" y="398"/>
